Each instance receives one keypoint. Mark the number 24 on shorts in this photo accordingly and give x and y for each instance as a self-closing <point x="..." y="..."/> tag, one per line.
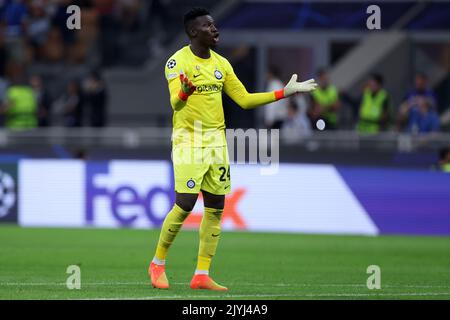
<point x="224" y="171"/>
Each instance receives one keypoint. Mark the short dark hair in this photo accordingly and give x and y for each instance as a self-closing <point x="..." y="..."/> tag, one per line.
<point x="191" y="15"/>
<point x="377" y="77"/>
<point x="443" y="153"/>
<point x="422" y="75"/>
<point x="322" y="71"/>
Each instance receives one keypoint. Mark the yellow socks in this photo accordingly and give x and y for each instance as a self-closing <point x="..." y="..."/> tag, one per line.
<point x="209" y="238"/>
<point x="169" y="230"/>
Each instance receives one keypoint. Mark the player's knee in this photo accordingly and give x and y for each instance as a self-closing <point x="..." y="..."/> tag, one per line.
<point x="186" y="205"/>
<point x="186" y="201"/>
<point x="216" y="204"/>
<point x="213" y="201"/>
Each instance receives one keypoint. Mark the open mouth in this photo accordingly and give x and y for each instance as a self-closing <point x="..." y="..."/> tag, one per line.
<point x="216" y="37"/>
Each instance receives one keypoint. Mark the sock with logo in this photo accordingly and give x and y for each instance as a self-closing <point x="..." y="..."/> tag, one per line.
<point x="169" y="230"/>
<point x="209" y="238"/>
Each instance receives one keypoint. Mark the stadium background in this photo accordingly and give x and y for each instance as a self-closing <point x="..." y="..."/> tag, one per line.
<point x="109" y="167"/>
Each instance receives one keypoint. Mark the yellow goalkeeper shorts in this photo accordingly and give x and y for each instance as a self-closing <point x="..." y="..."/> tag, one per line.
<point x="198" y="169"/>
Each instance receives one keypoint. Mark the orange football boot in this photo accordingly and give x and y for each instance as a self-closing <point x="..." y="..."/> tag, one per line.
<point x="158" y="277"/>
<point x="203" y="281"/>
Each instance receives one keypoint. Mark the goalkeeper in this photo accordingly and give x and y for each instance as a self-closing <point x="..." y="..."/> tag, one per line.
<point x="196" y="76"/>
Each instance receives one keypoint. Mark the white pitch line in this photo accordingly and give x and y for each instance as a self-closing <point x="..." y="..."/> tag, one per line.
<point x="336" y="285"/>
<point x="64" y="284"/>
<point x="231" y="284"/>
<point x="312" y="295"/>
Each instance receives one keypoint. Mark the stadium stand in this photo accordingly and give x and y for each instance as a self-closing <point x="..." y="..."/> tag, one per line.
<point x="129" y="41"/>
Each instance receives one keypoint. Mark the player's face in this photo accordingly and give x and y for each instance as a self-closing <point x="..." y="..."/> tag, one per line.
<point x="207" y="32"/>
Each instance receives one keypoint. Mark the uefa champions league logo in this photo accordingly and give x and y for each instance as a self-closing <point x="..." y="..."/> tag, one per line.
<point x="171" y="63"/>
<point x="7" y="193"/>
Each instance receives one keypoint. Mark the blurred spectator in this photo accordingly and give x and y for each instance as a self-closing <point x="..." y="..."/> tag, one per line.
<point x="276" y="112"/>
<point x="96" y="99"/>
<point x="53" y="49"/>
<point x="129" y="14"/>
<point x="14" y="15"/>
<point x="444" y="160"/>
<point x="374" y="110"/>
<point x="302" y="102"/>
<point x="325" y="102"/>
<point x="80" y="154"/>
<point x="419" y="110"/>
<point x="38" y="24"/>
<point x="421" y="117"/>
<point x="70" y="104"/>
<point x="20" y="107"/>
<point x="297" y="125"/>
<point x="43" y="101"/>
<point x="420" y="89"/>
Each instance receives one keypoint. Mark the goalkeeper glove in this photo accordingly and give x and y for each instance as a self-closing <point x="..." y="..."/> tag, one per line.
<point x="187" y="87"/>
<point x="294" y="87"/>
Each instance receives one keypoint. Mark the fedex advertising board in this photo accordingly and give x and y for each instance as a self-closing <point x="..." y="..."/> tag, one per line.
<point x="299" y="198"/>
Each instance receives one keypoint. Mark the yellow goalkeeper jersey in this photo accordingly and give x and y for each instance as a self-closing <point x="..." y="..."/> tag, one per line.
<point x="199" y="122"/>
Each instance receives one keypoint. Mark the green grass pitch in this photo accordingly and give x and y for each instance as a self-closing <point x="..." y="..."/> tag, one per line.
<point x="33" y="263"/>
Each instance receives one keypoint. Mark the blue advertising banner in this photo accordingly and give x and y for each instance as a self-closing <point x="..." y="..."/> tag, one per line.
<point x="403" y="201"/>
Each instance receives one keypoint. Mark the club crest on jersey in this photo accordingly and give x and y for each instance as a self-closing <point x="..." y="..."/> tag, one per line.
<point x="171" y="63"/>
<point x="218" y="74"/>
<point x="190" y="184"/>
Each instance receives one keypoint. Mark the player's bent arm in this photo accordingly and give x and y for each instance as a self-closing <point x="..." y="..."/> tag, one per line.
<point x="180" y="94"/>
<point x="175" y="101"/>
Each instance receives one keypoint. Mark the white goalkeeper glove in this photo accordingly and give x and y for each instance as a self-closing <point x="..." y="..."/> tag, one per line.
<point x="293" y="86"/>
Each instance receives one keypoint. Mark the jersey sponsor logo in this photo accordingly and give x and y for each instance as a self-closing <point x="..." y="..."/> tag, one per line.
<point x="209" y="88"/>
<point x="190" y="184"/>
<point x="172" y="75"/>
<point x="218" y="74"/>
<point x="171" y="63"/>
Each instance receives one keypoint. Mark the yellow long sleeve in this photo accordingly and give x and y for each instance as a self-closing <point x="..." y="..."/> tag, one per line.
<point x="235" y="90"/>
<point x="175" y="101"/>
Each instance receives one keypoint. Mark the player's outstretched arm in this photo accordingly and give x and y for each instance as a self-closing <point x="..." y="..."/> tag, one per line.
<point x="179" y="96"/>
<point x="236" y="91"/>
<point x="293" y="86"/>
